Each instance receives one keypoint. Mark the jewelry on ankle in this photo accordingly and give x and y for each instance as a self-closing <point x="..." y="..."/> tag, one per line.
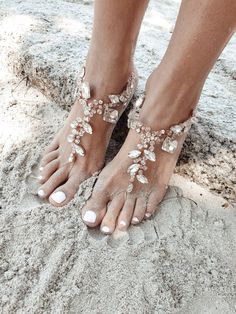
<point x="148" y="140"/>
<point x="108" y="110"/>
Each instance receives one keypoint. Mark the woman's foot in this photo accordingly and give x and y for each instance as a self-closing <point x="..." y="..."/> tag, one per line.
<point x="111" y="206"/>
<point x="60" y="179"/>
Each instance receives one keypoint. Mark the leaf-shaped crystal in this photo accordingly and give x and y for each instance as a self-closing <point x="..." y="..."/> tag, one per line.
<point x="141" y="178"/>
<point x="114" y="99"/>
<point x="85" y="90"/>
<point x="79" y="150"/>
<point x="87" y="127"/>
<point x="130" y="188"/>
<point x="169" y="145"/>
<point x="176" y="129"/>
<point x="133" y="168"/>
<point x="134" y="153"/>
<point x="111" y="115"/>
<point x="150" y="155"/>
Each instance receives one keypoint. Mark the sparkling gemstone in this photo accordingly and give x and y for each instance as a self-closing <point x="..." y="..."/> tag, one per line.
<point x="130" y="188"/>
<point x="123" y="98"/>
<point x="74" y="124"/>
<point x="70" y="138"/>
<point x="83" y="103"/>
<point x="150" y="155"/>
<point x="87" y="127"/>
<point x="79" y="150"/>
<point x="111" y="115"/>
<point x="85" y="90"/>
<point x="141" y="178"/>
<point x="74" y="132"/>
<point x="169" y="145"/>
<point x="133" y="168"/>
<point x="176" y="129"/>
<point x="114" y="99"/>
<point x="134" y="153"/>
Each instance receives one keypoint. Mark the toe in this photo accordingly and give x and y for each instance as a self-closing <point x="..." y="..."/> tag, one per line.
<point x="64" y="194"/>
<point x="51" y="147"/>
<point x="113" y="209"/>
<point x="154" y="200"/>
<point x="95" y="209"/>
<point x="48" y="158"/>
<point x="48" y="170"/>
<point x="126" y="213"/>
<point x="53" y="182"/>
<point x="140" y="209"/>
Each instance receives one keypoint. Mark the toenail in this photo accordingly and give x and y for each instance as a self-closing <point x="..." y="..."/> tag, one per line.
<point x="41" y="193"/>
<point x="58" y="197"/>
<point x="105" y="229"/>
<point x="41" y="169"/>
<point x="123" y="223"/>
<point x="148" y="215"/>
<point x="90" y="216"/>
<point x="135" y="220"/>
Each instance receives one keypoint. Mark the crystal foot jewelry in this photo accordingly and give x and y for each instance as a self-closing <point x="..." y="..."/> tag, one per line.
<point x="109" y="111"/>
<point x="148" y="140"/>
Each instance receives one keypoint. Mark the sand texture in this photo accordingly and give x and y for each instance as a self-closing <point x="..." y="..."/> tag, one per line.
<point x="183" y="260"/>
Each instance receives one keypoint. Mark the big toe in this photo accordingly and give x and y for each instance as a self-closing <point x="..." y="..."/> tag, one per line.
<point x="95" y="209"/>
<point x="64" y="193"/>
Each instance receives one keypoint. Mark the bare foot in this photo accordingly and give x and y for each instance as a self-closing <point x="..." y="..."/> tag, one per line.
<point x="60" y="179"/>
<point x="110" y="205"/>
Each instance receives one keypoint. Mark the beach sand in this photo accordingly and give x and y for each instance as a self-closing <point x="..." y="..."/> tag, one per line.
<point x="180" y="261"/>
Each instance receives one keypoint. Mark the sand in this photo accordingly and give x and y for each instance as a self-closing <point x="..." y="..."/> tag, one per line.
<point x="182" y="260"/>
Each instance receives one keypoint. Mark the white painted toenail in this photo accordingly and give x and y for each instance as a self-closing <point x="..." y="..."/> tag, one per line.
<point x="58" y="197"/>
<point x="135" y="219"/>
<point x="41" y="169"/>
<point x="40" y="177"/>
<point x="105" y="229"/>
<point x="41" y="193"/>
<point x="148" y="215"/>
<point x="123" y="223"/>
<point x="90" y="216"/>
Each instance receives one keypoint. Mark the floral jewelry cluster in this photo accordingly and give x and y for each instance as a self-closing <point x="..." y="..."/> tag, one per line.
<point x="148" y="140"/>
<point x="109" y="111"/>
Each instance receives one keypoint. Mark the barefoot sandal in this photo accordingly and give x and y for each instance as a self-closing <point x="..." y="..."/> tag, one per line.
<point x="148" y="140"/>
<point x="108" y="110"/>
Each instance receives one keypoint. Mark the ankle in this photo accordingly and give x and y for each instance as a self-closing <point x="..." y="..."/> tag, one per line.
<point x="108" y="70"/>
<point x="171" y="101"/>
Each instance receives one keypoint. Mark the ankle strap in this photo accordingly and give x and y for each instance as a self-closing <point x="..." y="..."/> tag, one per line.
<point x="148" y="140"/>
<point x="84" y="94"/>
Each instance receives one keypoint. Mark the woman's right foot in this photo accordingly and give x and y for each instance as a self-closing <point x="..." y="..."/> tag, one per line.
<point x="60" y="179"/>
<point x="132" y="185"/>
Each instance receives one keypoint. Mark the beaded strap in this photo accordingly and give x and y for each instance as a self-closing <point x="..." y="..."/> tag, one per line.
<point x="81" y="125"/>
<point x="148" y="140"/>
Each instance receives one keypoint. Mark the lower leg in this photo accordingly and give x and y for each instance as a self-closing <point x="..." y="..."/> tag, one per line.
<point x="202" y="30"/>
<point x="172" y="92"/>
<point x="115" y="31"/>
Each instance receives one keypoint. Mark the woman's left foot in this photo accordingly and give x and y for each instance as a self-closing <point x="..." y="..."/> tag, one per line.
<point x="122" y="197"/>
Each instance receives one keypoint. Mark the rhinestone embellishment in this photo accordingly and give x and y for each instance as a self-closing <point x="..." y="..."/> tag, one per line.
<point x="109" y="111"/>
<point x="148" y="140"/>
